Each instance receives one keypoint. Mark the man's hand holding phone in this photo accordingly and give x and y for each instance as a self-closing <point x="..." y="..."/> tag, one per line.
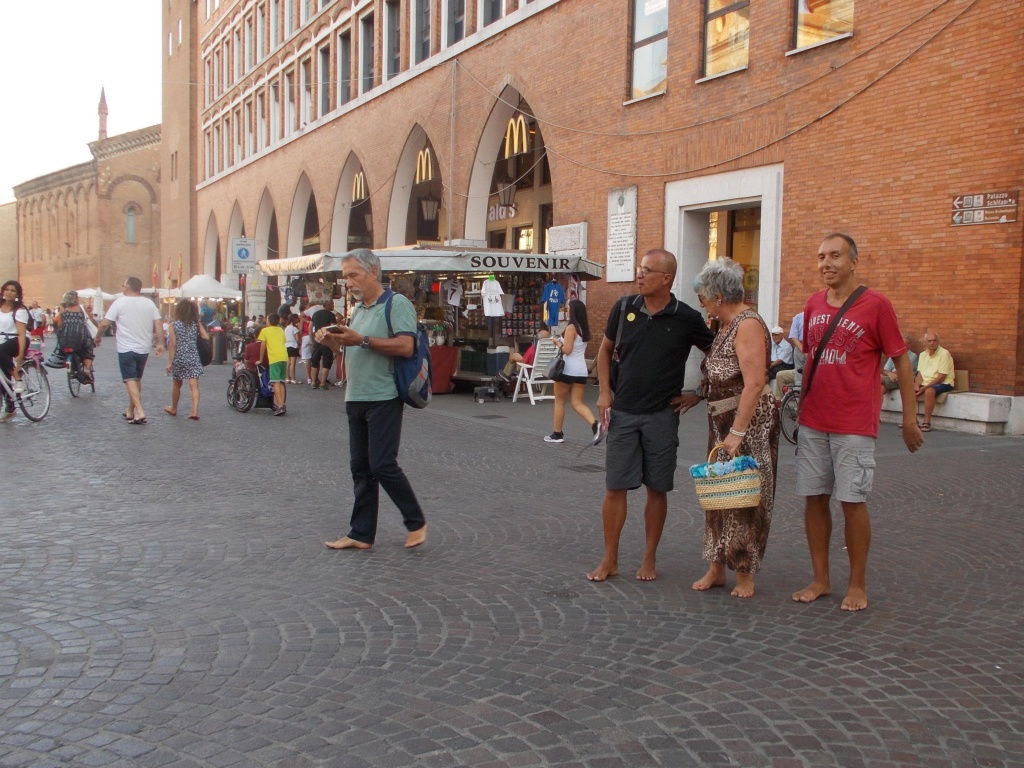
<point x="337" y="336"/>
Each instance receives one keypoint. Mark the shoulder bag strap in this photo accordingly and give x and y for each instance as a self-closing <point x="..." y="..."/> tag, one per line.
<point x="622" y="322"/>
<point x="806" y="386"/>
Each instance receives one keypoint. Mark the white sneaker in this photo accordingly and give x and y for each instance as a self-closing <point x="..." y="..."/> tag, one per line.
<point x="19" y="387"/>
<point x="554" y="437"/>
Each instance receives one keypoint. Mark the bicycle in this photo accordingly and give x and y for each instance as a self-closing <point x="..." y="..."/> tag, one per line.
<point x="78" y="374"/>
<point x="34" y="399"/>
<point x="789" y="410"/>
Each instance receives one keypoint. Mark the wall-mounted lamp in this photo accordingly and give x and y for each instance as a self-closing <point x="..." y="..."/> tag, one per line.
<point x="430" y="206"/>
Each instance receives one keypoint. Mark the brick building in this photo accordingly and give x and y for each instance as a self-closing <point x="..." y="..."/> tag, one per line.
<point x="93" y="224"/>
<point x="739" y="128"/>
<point x="8" y="240"/>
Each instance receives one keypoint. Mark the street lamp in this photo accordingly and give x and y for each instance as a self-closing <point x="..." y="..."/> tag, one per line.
<point x="430" y="206"/>
<point x="507" y="193"/>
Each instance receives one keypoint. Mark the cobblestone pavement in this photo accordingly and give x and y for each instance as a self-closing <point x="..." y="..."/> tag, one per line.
<point x="166" y="600"/>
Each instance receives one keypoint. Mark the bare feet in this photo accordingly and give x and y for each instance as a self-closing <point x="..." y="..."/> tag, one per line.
<point x="415" y="538"/>
<point x="346" y="543"/>
<point x="812" y="592"/>
<point x="855" y="600"/>
<point x="715" y="577"/>
<point x="647" y="570"/>
<point x="744" y="585"/>
<point x="170" y="411"/>
<point x="604" y="571"/>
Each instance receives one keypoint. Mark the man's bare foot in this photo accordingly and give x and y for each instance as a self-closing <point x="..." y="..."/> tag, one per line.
<point x="415" y="538"/>
<point x="647" y="570"/>
<point x="855" y="600"/>
<point x="812" y="592"/>
<point x="709" y="580"/>
<point x="744" y="585"/>
<point x="604" y="571"/>
<point x="346" y="543"/>
<point x="170" y="411"/>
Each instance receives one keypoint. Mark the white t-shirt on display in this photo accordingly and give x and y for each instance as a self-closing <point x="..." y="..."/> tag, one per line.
<point x="490" y="294"/>
<point x="135" y="317"/>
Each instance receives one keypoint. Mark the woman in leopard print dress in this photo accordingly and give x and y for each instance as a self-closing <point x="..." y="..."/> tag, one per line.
<point x="742" y="415"/>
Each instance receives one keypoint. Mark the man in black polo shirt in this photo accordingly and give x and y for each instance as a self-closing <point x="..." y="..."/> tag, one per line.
<point x="657" y="334"/>
<point x="322" y="358"/>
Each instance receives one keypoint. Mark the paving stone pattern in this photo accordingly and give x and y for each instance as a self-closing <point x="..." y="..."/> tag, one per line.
<point x="166" y="600"/>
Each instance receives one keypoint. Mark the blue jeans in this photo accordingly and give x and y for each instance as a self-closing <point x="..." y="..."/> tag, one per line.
<point x="374" y="435"/>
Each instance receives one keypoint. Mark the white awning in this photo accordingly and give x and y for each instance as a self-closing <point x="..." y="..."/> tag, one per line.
<point x="437" y="260"/>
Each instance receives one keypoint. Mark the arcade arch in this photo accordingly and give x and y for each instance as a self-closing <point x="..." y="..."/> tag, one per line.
<point x="415" y="212"/>
<point x="352" y="222"/>
<point x="304" y="221"/>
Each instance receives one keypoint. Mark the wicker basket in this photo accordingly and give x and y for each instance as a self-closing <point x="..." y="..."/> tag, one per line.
<point x="736" y="490"/>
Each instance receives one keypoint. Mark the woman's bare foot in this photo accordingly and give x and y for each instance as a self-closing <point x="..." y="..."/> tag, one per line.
<point x="604" y="571"/>
<point x="647" y="570"/>
<point x="855" y="600"/>
<point x="415" y="538"/>
<point x="346" y="543"/>
<point x="715" y="577"/>
<point x="812" y="592"/>
<point x="170" y="411"/>
<point x="744" y="585"/>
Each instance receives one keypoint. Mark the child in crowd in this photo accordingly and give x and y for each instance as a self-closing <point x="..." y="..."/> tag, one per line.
<point x="272" y="338"/>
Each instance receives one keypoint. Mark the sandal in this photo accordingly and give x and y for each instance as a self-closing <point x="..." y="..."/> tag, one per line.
<point x="137" y="421"/>
<point x="926" y="427"/>
<point x="127" y="417"/>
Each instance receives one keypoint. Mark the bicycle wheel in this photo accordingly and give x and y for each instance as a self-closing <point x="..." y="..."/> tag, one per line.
<point x="35" y="400"/>
<point x="244" y="397"/>
<point x="74" y="384"/>
<point x="788" y="412"/>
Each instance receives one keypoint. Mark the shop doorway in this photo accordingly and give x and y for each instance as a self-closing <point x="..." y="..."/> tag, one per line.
<point x="736" y="234"/>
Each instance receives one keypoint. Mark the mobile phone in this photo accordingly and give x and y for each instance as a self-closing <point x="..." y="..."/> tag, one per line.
<point x="334" y="329"/>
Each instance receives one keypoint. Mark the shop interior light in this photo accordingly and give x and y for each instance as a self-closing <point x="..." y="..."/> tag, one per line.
<point x="430" y="206"/>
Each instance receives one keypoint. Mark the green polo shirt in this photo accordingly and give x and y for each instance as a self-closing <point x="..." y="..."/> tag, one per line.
<point x="370" y="374"/>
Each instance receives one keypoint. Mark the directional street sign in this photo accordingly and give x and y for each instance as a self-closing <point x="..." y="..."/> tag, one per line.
<point x="243" y="256"/>
<point x="985" y="208"/>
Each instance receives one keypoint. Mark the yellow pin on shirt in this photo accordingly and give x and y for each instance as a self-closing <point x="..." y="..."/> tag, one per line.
<point x="631" y="317"/>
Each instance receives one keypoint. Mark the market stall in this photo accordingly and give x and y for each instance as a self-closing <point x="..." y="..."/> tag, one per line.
<point x="479" y="302"/>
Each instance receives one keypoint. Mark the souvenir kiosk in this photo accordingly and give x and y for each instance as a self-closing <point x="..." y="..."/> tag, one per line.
<point x="477" y="303"/>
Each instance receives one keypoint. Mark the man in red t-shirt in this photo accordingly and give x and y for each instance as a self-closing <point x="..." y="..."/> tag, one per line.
<point x="839" y="415"/>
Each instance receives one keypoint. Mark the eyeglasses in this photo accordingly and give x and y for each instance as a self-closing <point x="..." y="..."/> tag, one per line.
<point x="645" y="271"/>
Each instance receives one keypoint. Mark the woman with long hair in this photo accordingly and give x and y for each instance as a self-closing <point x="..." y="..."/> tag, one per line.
<point x="183" y="355"/>
<point x="571" y="384"/>
<point x="73" y="332"/>
<point x="13" y="338"/>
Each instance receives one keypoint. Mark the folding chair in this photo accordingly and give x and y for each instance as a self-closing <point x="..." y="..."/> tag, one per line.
<point x="531" y="379"/>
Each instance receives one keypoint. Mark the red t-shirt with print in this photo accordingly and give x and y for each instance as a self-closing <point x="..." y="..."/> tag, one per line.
<point x="845" y="396"/>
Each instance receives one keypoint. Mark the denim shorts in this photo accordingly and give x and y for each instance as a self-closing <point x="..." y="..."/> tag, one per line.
<point x="832" y="464"/>
<point x="132" y="365"/>
<point x="642" y="450"/>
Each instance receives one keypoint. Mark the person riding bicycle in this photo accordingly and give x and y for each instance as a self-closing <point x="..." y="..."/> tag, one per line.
<point x="73" y="334"/>
<point x="13" y="338"/>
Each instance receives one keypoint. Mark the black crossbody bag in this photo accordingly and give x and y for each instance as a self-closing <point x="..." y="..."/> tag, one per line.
<point x="805" y="387"/>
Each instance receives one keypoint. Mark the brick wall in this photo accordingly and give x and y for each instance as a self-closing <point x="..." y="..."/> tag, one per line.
<point x="877" y="134"/>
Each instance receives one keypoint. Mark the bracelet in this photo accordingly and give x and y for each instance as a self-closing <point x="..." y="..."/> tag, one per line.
<point x="738" y="434"/>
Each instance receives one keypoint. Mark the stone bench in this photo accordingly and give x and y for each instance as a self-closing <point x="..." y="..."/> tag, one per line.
<point x="959" y="410"/>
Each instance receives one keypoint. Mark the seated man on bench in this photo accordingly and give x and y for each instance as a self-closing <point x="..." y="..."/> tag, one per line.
<point x="889" y="383"/>
<point x="934" y="375"/>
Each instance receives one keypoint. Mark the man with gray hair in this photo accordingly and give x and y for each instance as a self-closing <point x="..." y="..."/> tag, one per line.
<point x="840" y="412"/>
<point x="648" y="337"/>
<point x="372" y="404"/>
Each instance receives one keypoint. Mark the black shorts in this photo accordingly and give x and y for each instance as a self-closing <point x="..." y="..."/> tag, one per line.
<point x="564" y="379"/>
<point x="321" y="357"/>
<point x="292" y="351"/>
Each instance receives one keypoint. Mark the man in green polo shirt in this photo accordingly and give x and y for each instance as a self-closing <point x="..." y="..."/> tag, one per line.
<point x="371" y="401"/>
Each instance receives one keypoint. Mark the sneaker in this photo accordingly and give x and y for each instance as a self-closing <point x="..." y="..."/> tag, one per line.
<point x="315" y="386"/>
<point x="598" y="430"/>
<point x="555" y="437"/>
<point x="19" y="387"/>
<point x="280" y="411"/>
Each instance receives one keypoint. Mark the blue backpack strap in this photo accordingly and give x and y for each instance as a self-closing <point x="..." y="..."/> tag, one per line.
<point x="387" y="311"/>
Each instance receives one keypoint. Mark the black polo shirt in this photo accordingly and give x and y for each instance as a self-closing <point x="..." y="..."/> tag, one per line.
<point x="653" y="352"/>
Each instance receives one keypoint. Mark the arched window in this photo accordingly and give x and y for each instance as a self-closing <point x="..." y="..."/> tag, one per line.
<point x="129" y="224"/>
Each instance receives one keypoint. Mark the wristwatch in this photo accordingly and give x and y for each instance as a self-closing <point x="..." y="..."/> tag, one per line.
<point x="365" y="343"/>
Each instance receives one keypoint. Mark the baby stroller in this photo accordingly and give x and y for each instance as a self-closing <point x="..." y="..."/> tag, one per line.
<point x="249" y="385"/>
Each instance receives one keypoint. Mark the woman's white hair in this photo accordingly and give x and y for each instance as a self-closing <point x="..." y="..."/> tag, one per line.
<point x="721" y="277"/>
